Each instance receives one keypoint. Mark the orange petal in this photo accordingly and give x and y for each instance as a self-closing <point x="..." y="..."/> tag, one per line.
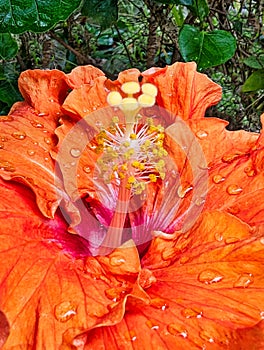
<point x="184" y="92"/>
<point x="44" y="90"/>
<point x="26" y="139"/>
<point x="44" y="287"/>
<point x="83" y="75"/>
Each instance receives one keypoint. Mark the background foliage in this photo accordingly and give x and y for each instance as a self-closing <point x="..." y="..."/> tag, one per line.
<point x="225" y="38"/>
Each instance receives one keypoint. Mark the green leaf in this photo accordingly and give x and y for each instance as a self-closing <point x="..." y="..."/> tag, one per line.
<point x="254" y="82"/>
<point x="207" y="49"/>
<point x="8" y="46"/>
<point x="176" y="2"/>
<point x="256" y="62"/>
<point x="9" y="92"/>
<point x="104" y="13"/>
<point x="199" y="8"/>
<point x="18" y="16"/>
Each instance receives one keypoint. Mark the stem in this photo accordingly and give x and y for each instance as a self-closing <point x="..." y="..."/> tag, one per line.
<point x="113" y="238"/>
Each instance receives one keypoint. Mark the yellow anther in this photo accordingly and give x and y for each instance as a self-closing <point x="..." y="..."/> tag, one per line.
<point x="133" y="136"/>
<point x="126" y="144"/>
<point x="115" y="120"/>
<point x="135" y="164"/>
<point x="161" y="136"/>
<point x="149" y="89"/>
<point x="129" y="104"/>
<point x="146" y="100"/>
<point x="147" y="143"/>
<point x="153" y="178"/>
<point x="161" y="163"/>
<point x="124" y="167"/>
<point x="130" y="88"/>
<point x="139" y="187"/>
<point x="149" y="121"/>
<point x="121" y="175"/>
<point x="152" y="128"/>
<point x="129" y="153"/>
<point x="115" y="167"/>
<point x="114" y="98"/>
<point x="131" y="180"/>
<point x="162" y="175"/>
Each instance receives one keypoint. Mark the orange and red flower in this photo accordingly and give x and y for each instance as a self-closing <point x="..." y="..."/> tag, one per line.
<point x="128" y="219"/>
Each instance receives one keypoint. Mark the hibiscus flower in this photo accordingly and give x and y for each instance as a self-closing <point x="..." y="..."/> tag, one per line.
<point x="128" y="219"/>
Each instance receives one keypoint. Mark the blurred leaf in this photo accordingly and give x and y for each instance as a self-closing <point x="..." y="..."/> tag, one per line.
<point x="207" y="49"/>
<point x="18" y="16"/>
<point x="9" y="92"/>
<point x="256" y="62"/>
<point x="177" y="2"/>
<point x="199" y="8"/>
<point x="104" y="13"/>
<point x="254" y="82"/>
<point x="8" y="46"/>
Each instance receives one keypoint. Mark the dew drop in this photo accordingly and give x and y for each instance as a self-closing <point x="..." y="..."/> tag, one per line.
<point x="231" y="157"/>
<point x="233" y="210"/>
<point x="30" y="152"/>
<point x="51" y="100"/>
<point x="218" y="237"/>
<point x="261" y="314"/>
<point x="85" y="110"/>
<point x="47" y="140"/>
<point x="192" y="312"/>
<point x="184" y="189"/>
<point x="152" y="324"/>
<point x="87" y="169"/>
<point x="19" y="135"/>
<point x="46" y="159"/>
<point x="98" y="123"/>
<point x="199" y="201"/>
<point x="205" y="335"/>
<point x="177" y="330"/>
<point x="36" y="124"/>
<point x="131" y="335"/>
<point x="201" y="134"/>
<point x="4" y="139"/>
<point x="6" y="118"/>
<point x="209" y="276"/>
<point x="75" y="152"/>
<point x="116" y="260"/>
<point x="42" y="114"/>
<point x="183" y="260"/>
<point x="230" y="240"/>
<point x="262" y="240"/>
<point x="65" y="311"/>
<point x="115" y="294"/>
<point x="244" y="280"/>
<point x="7" y="166"/>
<point x="1" y="145"/>
<point x="159" y="303"/>
<point x="234" y="189"/>
<point x="250" y="171"/>
<point x="217" y="179"/>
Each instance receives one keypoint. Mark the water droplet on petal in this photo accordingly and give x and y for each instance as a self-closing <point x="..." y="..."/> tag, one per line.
<point x="231" y="157"/>
<point x="1" y="145"/>
<point x="201" y="134"/>
<point x="46" y="159"/>
<point x="184" y="259"/>
<point x="261" y="314"/>
<point x="131" y="335"/>
<point x="30" y="152"/>
<point x="199" y="201"/>
<point x="36" y="124"/>
<point x="51" y="100"/>
<point x="87" y="169"/>
<point x="218" y="236"/>
<point x="262" y="240"/>
<point x="159" y="303"/>
<point x="205" y="335"/>
<point x="152" y="324"/>
<point x="65" y="311"/>
<point x="250" y="171"/>
<point x="19" y="135"/>
<point x="42" y="114"/>
<point x="177" y="330"/>
<point x="230" y="240"/>
<point x="75" y="152"/>
<point x="217" y="179"/>
<point x="244" y="280"/>
<point x="184" y="189"/>
<point x="7" y="166"/>
<point x="192" y="312"/>
<point x="47" y="140"/>
<point x="234" y="189"/>
<point x="233" y="210"/>
<point x="116" y="260"/>
<point x="209" y="276"/>
<point x="4" y="139"/>
<point x="115" y="294"/>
